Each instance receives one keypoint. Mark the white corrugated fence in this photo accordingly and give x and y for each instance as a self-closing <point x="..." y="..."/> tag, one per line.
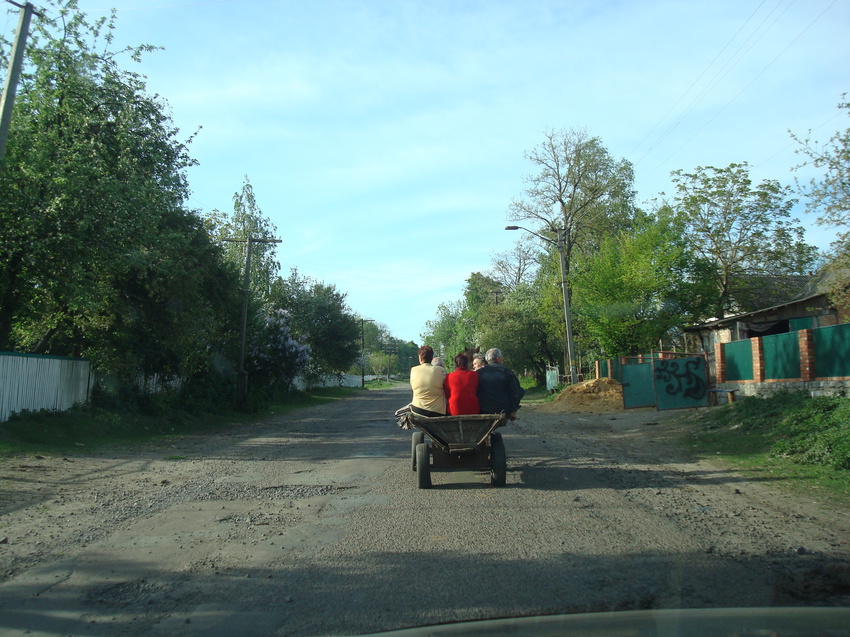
<point x="42" y="382"/>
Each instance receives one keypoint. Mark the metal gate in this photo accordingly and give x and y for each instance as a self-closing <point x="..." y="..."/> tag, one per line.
<point x="638" y="389"/>
<point x="678" y="383"/>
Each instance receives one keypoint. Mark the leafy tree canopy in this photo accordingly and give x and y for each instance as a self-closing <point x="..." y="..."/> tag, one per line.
<point x="98" y="255"/>
<point x="739" y="228"/>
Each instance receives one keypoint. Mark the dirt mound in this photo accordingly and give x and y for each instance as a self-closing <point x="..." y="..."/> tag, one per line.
<point x="600" y="395"/>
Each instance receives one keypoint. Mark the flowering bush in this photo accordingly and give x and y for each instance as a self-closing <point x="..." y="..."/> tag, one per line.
<point x="274" y="358"/>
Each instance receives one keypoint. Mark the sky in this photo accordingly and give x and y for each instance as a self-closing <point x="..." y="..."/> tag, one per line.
<point x="386" y="139"/>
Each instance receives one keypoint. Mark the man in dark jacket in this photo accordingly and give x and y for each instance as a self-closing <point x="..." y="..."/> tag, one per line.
<point x="498" y="387"/>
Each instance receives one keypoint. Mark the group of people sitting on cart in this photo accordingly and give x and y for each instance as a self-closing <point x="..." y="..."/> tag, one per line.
<point x="480" y="384"/>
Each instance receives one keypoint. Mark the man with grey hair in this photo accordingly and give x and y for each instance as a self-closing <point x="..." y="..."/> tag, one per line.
<point x="498" y="387"/>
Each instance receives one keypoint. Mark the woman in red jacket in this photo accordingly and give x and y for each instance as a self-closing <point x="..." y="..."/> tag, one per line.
<point x="461" y="388"/>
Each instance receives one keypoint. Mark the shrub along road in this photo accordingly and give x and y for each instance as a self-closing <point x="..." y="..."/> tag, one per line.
<point x="312" y="524"/>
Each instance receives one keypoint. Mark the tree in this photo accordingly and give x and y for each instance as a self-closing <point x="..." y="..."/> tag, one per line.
<point x="515" y="266"/>
<point x="579" y="188"/>
<point x="639" y="289"/>
<point x="515" y="326"/>
<point x="248" y="220"/>
<point x="320" y="318"/>
<point x="830" y="196"/>
<point x="276" y="357"/>
<point x="739" y="229"/>
<point x="98" y="255"/>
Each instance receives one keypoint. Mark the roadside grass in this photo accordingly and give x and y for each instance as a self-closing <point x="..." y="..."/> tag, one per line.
<point x="86" y="429"/>
<point x="802" y="440"/>
<point x="381" y="383"/>
<point x="538" y="394"/>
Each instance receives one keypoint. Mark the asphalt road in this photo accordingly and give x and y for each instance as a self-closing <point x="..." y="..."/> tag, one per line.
<point x="312" y="524"/>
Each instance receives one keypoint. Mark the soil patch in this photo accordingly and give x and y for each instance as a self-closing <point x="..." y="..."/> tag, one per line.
<point x="598" y="396"/>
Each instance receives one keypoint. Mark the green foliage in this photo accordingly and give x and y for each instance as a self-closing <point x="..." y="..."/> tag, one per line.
<point x="829" y="195"/>
<point x="98" y="256"/>
<point x="637" y="291"/>
<point x="805" y="430"/>
<point x="247" y="220"/>
<point x="738" y="228"/>
<point x="516" y="327"/>
<point x="321" y="319"/>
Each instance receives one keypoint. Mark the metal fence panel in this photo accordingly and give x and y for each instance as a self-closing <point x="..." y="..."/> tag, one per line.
<point x="832" y="351"/>
<point x="29" y="382"/>
<point x="638" y="388"/>
<point x="781" y="356"/>
<point x="739" y="360"/>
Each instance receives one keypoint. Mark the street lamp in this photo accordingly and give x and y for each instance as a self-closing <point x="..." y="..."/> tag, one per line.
<point x="561" y="245"/>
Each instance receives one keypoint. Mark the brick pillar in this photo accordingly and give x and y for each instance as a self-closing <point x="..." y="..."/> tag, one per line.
<point x="719" y="363"/>
<point x="598" y="368"/>
<point x="610" y="368"/>
<point x="807" y="354"/>
<point x="758" y="359"/>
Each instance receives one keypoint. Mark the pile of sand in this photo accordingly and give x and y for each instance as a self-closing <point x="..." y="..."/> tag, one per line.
<point x="600" y="395"/>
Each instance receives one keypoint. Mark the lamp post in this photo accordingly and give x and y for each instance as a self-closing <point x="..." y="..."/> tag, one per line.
<point x="560" y="244"/>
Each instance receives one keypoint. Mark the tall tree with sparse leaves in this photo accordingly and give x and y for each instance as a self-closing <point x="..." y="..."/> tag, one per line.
<point x="741" y="229"/>
<point x="829" y="196"/>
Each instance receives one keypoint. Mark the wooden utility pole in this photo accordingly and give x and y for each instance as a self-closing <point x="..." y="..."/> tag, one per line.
<point x="16" y="61"/>
<point x="363" y="351"/>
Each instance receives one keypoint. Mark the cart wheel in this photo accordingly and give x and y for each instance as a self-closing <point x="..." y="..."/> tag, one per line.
<point x="423" y="466"/>
<point x="498" y="461"/>
<point x="418" y="438"/>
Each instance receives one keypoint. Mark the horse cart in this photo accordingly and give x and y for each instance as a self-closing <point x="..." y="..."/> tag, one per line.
<point x="457" y="443"/>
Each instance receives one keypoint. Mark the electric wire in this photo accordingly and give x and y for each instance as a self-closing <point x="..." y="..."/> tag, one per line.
<point x="747" y="86"/>
<point x="694" y="83"/>
<point x="724" y="70"/>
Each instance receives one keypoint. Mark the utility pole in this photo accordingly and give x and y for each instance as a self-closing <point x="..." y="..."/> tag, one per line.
<point x="571" y="348"/>
<point x="16" y="61"/>
<point x="363" y="352"/>
<point x="241" y="374"/>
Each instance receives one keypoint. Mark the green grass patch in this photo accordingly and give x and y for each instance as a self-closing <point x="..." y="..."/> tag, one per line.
<point x="86" y="429"/>
<point x="803" y="440"/>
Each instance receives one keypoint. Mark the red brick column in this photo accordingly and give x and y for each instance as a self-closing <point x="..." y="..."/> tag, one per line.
<point x="807" y="354"/>
<point x="758" y="360"/>
<point x="598" y="368"/>
<point x="719" y="363"/>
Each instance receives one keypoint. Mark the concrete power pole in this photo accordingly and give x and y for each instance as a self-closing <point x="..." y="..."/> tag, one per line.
<point x="16" y="61"/>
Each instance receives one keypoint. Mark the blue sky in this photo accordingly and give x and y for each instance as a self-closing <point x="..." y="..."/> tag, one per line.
<point x="385" y="140"/>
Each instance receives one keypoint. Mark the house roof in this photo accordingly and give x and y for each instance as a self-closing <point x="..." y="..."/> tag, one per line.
<point x="756" y="292"/>
<point x="761" y="294"/>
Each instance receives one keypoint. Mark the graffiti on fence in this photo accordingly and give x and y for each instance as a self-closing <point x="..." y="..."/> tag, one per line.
<point x="683" y="377"/>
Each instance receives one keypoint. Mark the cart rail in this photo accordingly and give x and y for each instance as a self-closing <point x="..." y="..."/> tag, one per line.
<point x="458" y="434"/>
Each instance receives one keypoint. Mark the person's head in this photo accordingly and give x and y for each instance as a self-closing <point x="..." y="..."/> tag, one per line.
<point x="426" y="354"/>
<point x="461" y="361"/>
<point x="438" y="362"/>
<point x="478" y="361"/>
<point x="494" y="355"/>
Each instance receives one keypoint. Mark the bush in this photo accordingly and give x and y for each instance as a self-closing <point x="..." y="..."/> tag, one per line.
<point x="816" y="432"/>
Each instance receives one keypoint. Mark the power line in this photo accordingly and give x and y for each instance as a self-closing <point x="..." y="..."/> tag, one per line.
<point x="688" y="90"/>
<point x="724" y="70"/>
<point x="749" y="84"/>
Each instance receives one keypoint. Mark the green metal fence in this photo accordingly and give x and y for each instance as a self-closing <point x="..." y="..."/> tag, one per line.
<point x="781" y="356"/>
<point x="739" y="360"/>
<point x="832" y="351"/>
